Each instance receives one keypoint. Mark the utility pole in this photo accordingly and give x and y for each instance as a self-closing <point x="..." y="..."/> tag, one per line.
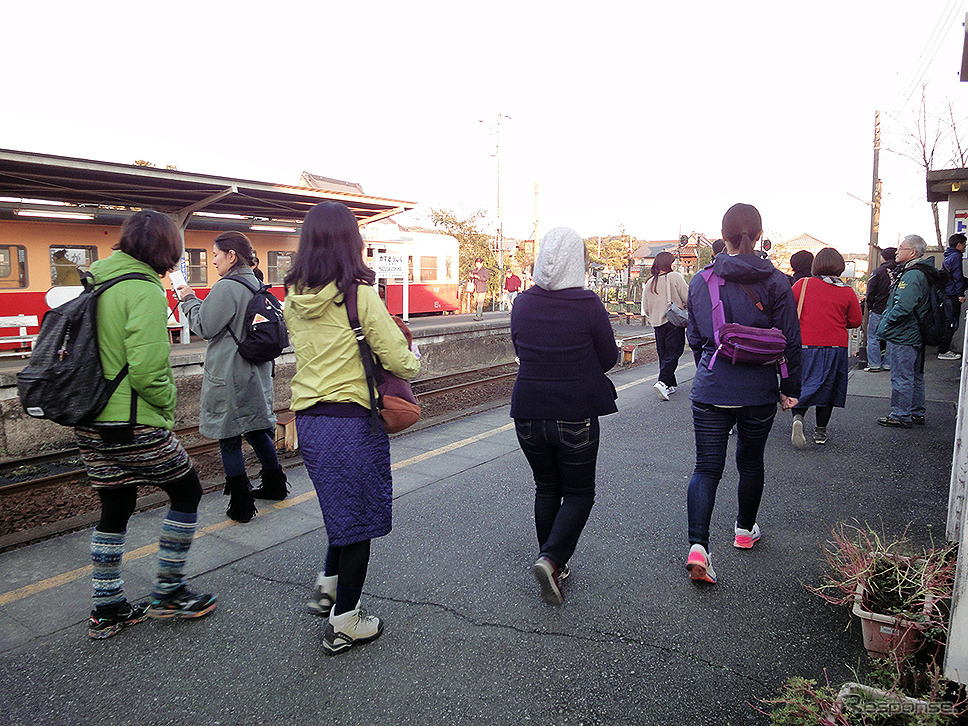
<point x="873" y="254"/>
<point x="500" y="224"/>
<point x="535" y="234"/>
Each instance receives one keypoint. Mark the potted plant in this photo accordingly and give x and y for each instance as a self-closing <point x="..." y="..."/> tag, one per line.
<point x="900" y="592"/>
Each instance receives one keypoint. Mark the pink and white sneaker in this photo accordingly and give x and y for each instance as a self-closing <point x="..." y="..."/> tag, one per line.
<point x="699" y="565"/>
<point x="746" y="538"/>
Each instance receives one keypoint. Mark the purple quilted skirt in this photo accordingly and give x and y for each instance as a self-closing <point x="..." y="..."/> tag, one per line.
<point x="349" y="464"/>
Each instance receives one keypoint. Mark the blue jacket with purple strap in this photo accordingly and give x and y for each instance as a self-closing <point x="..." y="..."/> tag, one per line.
<point x="729" y="384"/>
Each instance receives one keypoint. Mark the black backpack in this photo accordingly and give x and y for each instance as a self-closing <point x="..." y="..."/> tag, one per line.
<point x="938" y="323"/>
<point x="265" y="329"/>
<point x="63" y="381"/>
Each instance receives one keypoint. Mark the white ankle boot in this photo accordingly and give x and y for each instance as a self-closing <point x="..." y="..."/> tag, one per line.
<point x="324" y="595"/>
<point x="351" y="628"/>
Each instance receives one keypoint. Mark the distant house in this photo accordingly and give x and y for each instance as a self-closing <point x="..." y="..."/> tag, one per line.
<point x="781" y="253"/>
<point x="687" y="255"/>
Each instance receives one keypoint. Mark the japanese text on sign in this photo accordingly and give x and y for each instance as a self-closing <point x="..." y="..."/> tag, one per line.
<point x="390" y="265"/>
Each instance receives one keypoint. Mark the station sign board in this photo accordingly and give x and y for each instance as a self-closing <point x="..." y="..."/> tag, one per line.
<point x="390" y="264"/>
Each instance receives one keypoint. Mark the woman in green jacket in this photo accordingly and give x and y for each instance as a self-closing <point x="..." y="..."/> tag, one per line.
<point x="346" y="451"/>
<point x="130" y="443"/>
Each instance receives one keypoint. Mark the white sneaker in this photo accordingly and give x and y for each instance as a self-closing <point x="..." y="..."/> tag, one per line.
<point x="797" y="437"/>
<point x="950" y="355"/>
<point x="324" y="595"/>
<point x="699" y="565"/>
<point x="744" y="539"/>
<point x="672" y="389"/>
<point x="351" y="628"/>
<point x="662" y="390"/>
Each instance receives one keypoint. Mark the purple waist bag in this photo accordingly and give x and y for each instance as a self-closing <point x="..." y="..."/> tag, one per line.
<point x="743" y="343"/>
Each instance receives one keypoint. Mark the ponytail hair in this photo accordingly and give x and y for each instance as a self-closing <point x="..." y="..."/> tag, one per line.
<point x="661" y="265"/>
<point x="742" y="226"/>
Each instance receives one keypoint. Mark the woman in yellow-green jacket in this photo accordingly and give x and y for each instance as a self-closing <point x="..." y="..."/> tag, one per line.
<point x="347" y="456"/>
<point x="130" y="443"/>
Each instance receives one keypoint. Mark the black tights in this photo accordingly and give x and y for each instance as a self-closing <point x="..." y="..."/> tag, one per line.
<point x="823" y="415"/>
<point x="117" y="505"/>
<point x="350" y="563"/>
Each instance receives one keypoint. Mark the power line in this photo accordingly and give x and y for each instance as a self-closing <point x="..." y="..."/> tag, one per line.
<point x="930" y="52"/>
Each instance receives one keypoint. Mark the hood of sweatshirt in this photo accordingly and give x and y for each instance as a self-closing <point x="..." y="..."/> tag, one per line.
<point x="744" y="269"/>
<point x="313" y="303"/>
<point x="561" y="260"/>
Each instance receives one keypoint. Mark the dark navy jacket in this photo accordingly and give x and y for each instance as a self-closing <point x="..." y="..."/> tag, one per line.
<point x="729" y="384"/>
<point x="953" y="262"/>
<point x="565" y="343"/>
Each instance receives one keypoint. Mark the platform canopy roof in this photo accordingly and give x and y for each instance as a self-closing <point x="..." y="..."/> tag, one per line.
<point x="942" y="182"/>
<point x="111" y="186"/>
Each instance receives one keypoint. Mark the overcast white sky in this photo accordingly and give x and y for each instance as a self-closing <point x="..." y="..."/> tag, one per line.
<point x="655" y="116"/>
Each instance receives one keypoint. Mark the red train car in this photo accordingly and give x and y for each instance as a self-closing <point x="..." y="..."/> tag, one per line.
<point x="40" y="255"/>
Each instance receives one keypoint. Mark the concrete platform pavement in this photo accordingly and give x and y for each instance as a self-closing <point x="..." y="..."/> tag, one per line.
<point x="468" y="639"/>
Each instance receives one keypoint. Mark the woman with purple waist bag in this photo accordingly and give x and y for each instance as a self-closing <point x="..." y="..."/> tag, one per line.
<point x="726" y="392"/>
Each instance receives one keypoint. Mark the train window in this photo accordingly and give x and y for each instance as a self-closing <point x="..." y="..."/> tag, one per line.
<point x="13" y="266"/>
<point x="278" y="265"/>
<point x="428" y="269"/>
<point x="66" y="264"/>
<point x="448" y="268"/>
<point x="197" y="266"/>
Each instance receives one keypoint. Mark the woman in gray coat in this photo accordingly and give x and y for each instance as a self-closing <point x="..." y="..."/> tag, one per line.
<point x="236" y="396"/>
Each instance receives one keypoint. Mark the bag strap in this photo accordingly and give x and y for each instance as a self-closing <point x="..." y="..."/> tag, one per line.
<point x="366" y="354"/>
<point x="254" y="290"/>
<point x="88" y="281"/>
<point x="803" y="294"/>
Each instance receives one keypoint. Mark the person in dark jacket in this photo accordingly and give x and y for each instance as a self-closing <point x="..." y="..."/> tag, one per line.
<point x="878" y="289"/>
<point x="802" y="265"/>
<point x="743" y="394"/>
<point x="955" y="290"/>
<point x="564" y="341"/>
<point x="899" y="326"/>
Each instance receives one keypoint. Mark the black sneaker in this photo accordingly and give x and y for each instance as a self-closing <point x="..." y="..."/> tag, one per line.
<point x="894" y="423"/>
<point x="182" y="603"/>
<point x="917" y="420"/>
<point x="101" y="626"/>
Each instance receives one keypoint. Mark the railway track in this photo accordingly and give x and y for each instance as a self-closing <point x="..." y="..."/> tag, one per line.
<point x="16" y="474"/>
<point x="439" y="385"/>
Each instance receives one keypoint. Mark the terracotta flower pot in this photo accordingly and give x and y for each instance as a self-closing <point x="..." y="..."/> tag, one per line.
<point x="884" y="634"/>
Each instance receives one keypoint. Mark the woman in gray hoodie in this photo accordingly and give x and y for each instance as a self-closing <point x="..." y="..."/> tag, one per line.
<point x="564" y="341"/>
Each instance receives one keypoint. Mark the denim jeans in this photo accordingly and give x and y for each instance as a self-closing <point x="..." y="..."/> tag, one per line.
<point x="261" y="441"/>
<point x="670" y="341"/>
<point x="712" y="425"/>
<point x="945" y="345"/>
<point x="562" y="455"/>
<point x="874" y="343"/>
<point x="907" y="381"/>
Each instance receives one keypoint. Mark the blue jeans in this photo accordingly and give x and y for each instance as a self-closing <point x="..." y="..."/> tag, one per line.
<point x="261" y="441"/>
<point x="562" y="455"/>
<point x="670" y="341"/>
<point x="907" y="381"/>
<point x="874" y="343"/>
<point x="712" y="425"/>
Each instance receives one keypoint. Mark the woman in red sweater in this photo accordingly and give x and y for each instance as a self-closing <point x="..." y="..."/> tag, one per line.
<point x="827" y="307"/>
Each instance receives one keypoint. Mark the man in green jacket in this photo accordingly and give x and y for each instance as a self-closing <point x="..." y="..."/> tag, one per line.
<point x="899" y="326"/>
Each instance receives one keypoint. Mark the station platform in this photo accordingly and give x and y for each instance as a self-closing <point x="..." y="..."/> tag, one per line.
<point x="468" y="640"/>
